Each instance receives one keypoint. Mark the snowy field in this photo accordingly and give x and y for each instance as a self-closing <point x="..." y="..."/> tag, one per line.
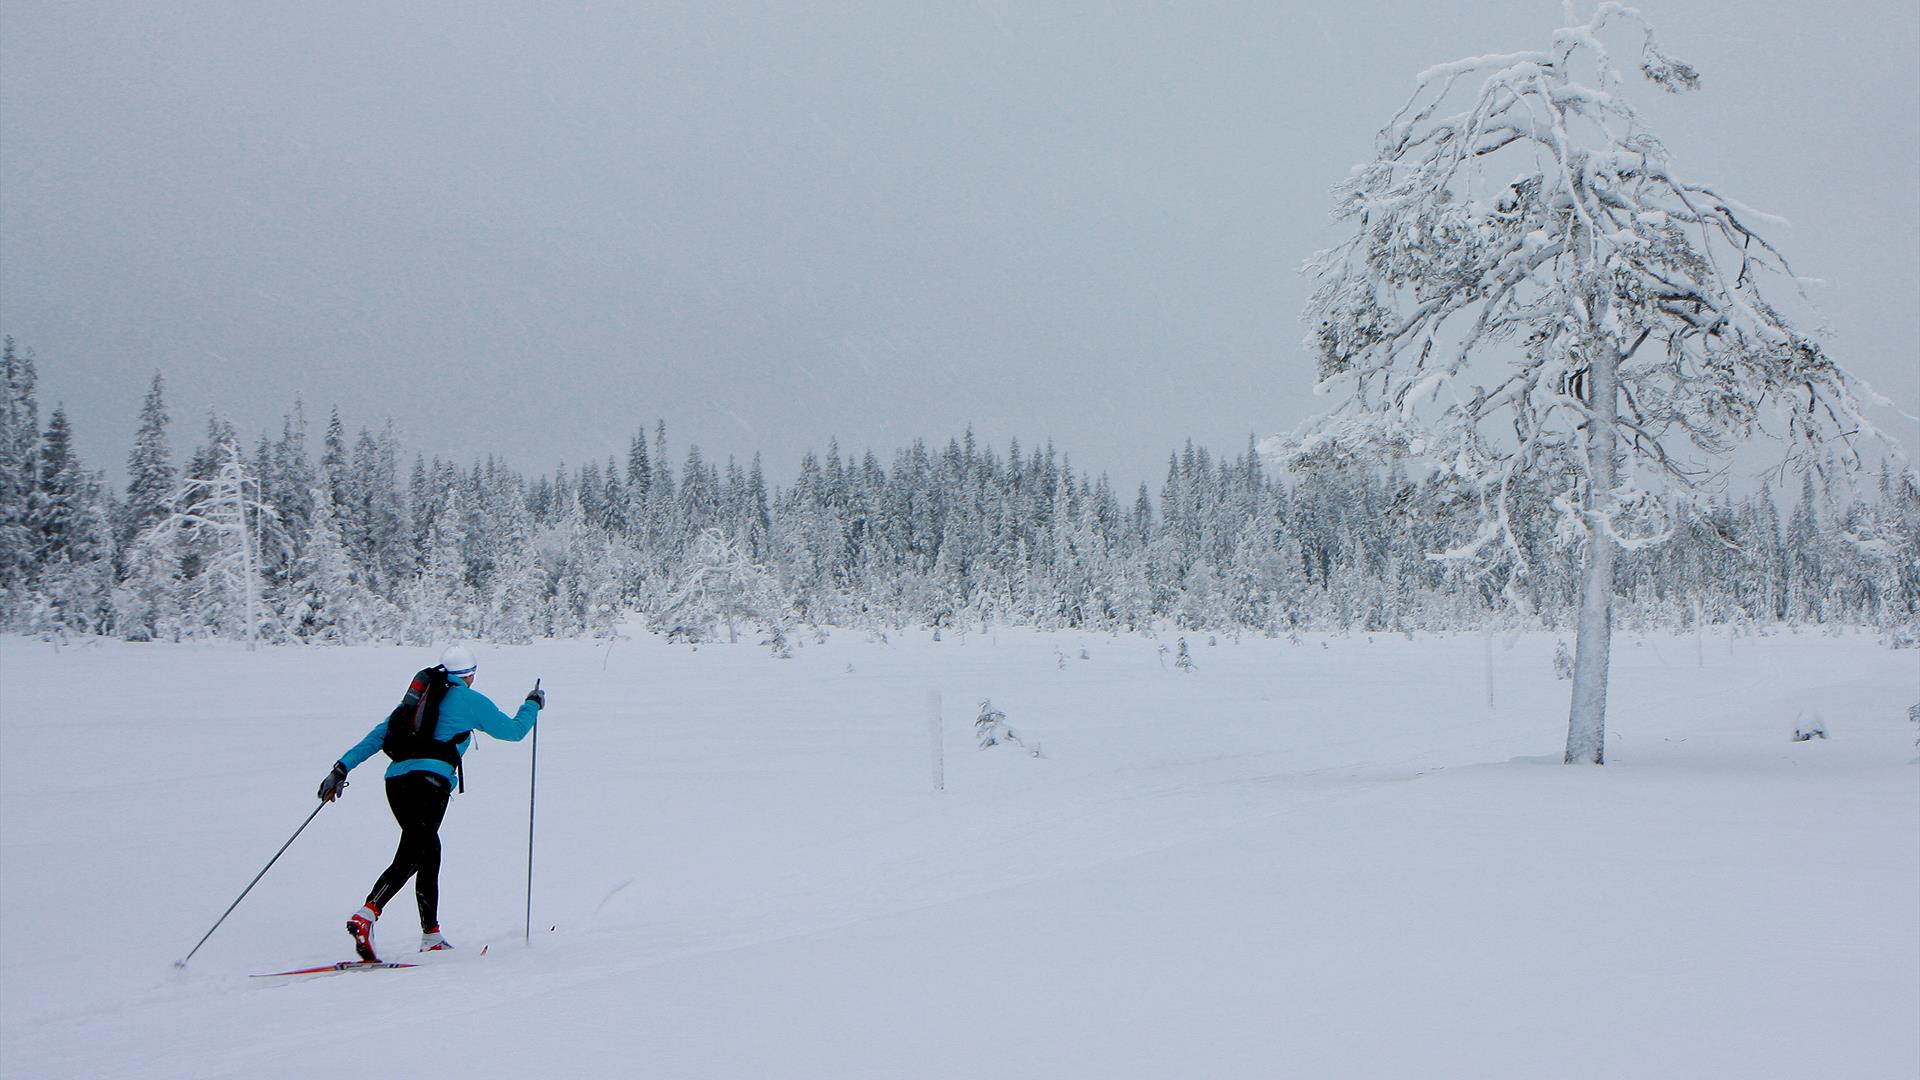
<point x="1323" y="859"/>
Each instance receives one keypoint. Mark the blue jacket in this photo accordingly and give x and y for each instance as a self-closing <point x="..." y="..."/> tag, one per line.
<point x="464" y="709"/>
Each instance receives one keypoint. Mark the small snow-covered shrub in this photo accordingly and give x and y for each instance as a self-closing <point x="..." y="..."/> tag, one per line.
<point x="1807" y="728"/>
<point x="1562" y="662"/>
<point x="991" y="725"/>
<point x="1913" y="714"/>
<point x="1182" y="658"/>
<point x="777" y="644"/>
<point x="992" y="730"/>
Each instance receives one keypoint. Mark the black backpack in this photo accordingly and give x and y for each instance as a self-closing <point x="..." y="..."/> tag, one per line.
<point x="410" y="725"/>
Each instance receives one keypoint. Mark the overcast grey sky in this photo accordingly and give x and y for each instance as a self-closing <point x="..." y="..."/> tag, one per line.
<point x="530" y="229"/>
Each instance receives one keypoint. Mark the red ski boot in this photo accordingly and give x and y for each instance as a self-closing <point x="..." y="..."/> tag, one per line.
<point x="361" y="927"/>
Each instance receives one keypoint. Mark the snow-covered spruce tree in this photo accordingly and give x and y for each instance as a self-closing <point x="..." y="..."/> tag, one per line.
<point x="519" y="583"/>
<point x="440" y="603"/>
<point x="336" y="475"/>
<point x="287" y="484"/>
<point x="639" y="483"/>
<point x="60" y="492"/>
<point x="324" y="602"/>
<point x="990" y="727"/>
<point x="72" y="536"/>
<point x="149" y="603"/>
<point x="599" y="564"/>
<point x="1807" y="569"/>
<point x="1900" y="501"/>
<point x="563" y="546"/>
<point x="378" y="537"/>
<point x="19" y="439"/>
<point x="150" y="471"/>
<point x="1534" y="292"/>
<point x="1183" y="659"/>
<point x="146" y="602"/>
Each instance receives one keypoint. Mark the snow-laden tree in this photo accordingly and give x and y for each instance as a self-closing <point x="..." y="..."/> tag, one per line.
<point x="1807" y="559"/>
<point x="516" y="593"/>
<point x="584" y="570"/>
<point x="325" y="602"/>
<point x="990" y="730"/>
<point x="219" y="515"/>
<point x="149" y="601"/>
<point x="441" y="603"/>
<point x="150" y="472"/>
<point x="376" y="529"/>
<point x="336" y="474"/>
<point x="1870" y="550"/>
<point x="72" y="536"/>
<point x="639" y="483"/>
<point x="287" y="483"/>
<point x="1900" y="502"/>
<point x="61" y="494"/>
<point x="19" y="472"/>
<point x="1535" y="292"/>
<point x="720" y="582"/>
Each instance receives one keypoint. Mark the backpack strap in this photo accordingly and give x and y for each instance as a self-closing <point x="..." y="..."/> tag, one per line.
<point x="418" y="728"/>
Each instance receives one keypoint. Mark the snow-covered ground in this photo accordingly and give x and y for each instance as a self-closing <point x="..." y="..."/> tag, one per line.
<point x="1329" y="858"/>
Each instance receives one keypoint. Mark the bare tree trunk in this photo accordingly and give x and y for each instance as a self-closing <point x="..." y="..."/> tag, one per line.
<point x="1593" y="645"/>
<point x="1593" y="641"/>
<point x="247" y="559"/>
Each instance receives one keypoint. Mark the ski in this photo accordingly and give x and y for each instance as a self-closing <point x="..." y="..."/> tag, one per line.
<point x="335" y="969"/>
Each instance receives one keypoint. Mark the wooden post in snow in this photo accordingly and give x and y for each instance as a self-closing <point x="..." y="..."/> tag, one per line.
<point x="1699" y="633"/>
<point x="1489" y="637"/>
<point x="936" y="741"/>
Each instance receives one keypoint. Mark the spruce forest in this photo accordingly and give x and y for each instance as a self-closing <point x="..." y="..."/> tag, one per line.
<point x="326" y="537"/>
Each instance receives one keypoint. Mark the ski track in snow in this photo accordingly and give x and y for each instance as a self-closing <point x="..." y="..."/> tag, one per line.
<point x="1293" y="861"/>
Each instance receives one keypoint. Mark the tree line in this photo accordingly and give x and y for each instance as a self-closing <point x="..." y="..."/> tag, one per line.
<point x="332" y="539"/>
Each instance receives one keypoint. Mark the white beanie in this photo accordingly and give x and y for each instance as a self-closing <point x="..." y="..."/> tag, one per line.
<point x="458" y="660"/>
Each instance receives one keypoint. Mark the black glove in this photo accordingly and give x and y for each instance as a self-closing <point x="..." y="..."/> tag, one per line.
<point x="537" y="696"/>
<point x="335" y="784"/>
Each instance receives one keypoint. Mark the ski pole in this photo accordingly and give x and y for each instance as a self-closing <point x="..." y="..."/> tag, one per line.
<point x="256" y="880"/>
<point x="533" y="776"/>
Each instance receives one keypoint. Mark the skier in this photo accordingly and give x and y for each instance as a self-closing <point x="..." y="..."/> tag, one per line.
<point x="421" y="780"/>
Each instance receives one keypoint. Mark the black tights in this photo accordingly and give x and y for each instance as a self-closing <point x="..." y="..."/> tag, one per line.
<point x="419" y="801"/>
